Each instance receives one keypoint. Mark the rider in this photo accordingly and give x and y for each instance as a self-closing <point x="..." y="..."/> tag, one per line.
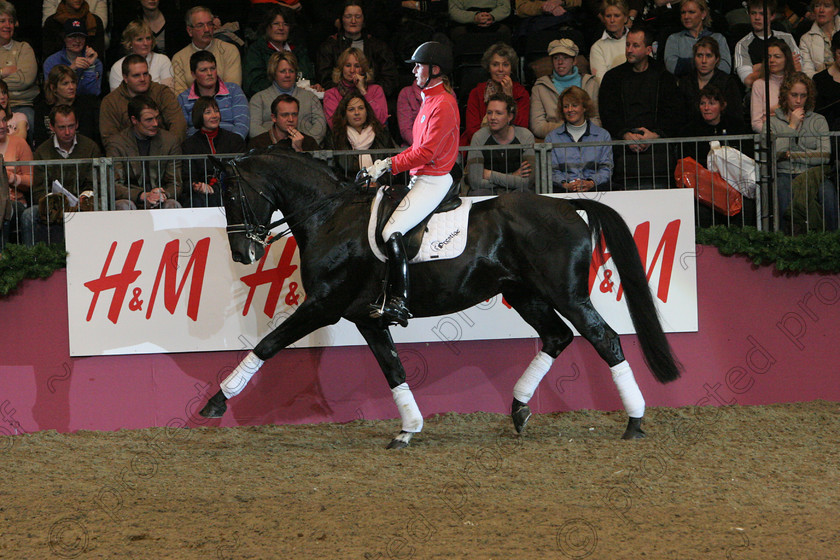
<point x="429" y="160"/>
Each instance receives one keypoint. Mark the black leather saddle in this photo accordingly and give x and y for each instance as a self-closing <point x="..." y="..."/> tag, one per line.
<point x="393" y="195"/>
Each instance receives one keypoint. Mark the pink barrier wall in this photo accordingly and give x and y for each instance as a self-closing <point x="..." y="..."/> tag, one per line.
<point x="764" y="338"/>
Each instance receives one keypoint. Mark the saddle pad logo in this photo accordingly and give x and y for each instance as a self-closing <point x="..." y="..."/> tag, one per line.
<point x="439" y="245"/>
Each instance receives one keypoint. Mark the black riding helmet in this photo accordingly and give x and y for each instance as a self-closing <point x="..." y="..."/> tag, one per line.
<point x="433" y="53"/>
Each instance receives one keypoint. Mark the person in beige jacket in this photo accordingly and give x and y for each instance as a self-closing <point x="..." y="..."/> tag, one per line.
<point x="113" y="117"/>
<point x="200" y="28"/>
<point x="546" y="91"/>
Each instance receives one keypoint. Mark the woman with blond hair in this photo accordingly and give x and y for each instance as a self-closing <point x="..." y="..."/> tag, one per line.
<point x="353" y="73"/>
<point x="608" y="51"/>
<point x="283" y="69"/>
<point x="576" y="169"/>
<point x="679" y="55"/>
<point x="815" y="43"/>
<point x="137" y="38"/>
<point x="501" y="61"/>
<point x="802" y="145"/>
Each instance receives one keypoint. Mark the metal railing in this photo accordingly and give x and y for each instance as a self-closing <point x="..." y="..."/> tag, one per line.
<point x="113" y="179"/>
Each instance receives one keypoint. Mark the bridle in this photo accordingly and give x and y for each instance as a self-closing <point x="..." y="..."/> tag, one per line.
<point x="250" y="225"/>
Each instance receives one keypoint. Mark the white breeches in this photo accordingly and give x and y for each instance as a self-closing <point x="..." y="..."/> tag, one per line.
<point x="427" y="192"/>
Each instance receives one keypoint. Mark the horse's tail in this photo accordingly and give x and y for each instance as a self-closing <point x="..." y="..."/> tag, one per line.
<point x="606" y="222"/>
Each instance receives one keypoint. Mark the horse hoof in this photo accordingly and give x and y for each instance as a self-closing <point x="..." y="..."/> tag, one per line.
<point x="215" y="407"/>
<point x="520" y="413"/>
<point x="634" y="429"/>
<point x="401" y="441"/>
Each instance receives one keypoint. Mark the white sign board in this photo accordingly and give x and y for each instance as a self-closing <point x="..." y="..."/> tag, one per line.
<point x="154" y="281"/>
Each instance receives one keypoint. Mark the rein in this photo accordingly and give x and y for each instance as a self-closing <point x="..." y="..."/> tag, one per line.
<point x="260" y="233"/>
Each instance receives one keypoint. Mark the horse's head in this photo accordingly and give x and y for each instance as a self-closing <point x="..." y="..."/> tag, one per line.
<point x="248" y="211"/>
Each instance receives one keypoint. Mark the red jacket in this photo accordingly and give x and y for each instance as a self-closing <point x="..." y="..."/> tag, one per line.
<point x="434" y="146"/>
<point x="477" y="109"/>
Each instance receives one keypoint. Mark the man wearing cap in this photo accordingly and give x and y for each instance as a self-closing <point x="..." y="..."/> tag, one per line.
<point x="428" y="160"/>
<point x="546" y="92"/>
<point x="80" y="57"/>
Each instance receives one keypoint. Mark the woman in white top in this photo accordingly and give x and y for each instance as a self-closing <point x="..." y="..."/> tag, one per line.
<point x="608" y="51"/>
<point x="815" y="56"/>
<point x="139" y="39"/>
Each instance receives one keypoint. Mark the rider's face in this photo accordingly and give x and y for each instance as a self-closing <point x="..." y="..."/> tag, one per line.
<point x="421" y="74"/>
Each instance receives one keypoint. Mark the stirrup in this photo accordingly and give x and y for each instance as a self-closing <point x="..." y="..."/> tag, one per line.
<point x="394" y="312"/>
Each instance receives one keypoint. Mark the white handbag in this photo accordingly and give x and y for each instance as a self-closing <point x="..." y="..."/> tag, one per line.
<point x="737" y="169"/>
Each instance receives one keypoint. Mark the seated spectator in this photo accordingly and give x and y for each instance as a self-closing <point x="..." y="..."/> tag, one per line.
<point x="802" y="144"/>
<point x="749" y="51"/>
<point x="200" y="28"/>
<point x="780" y="64"/>
<point x="827" y="83"/>
<point x="209" y="138"/>
<point x="356" y="128"/>
<point x="706" y="72"/>
<point x="478" y="16"/>
<point x="408" y="106"/>
<point x="546" y="91"/>
<point x="113" y="117"/>
<point x="501" y="61"/>
<point x="98" y="7"/>
<point x="14" y="148"/>
<point x="81" y="58"/>
<point x="499" y="171"/>
<point x="353" y="73"/>
<point x="73" y="9"/>
<point x="18" y="125"/>
<point x="282" y="67"/>
<point x="274" y="32"/>
<point x="284" y="132"/>
<point x="679" y="59"/>
<point x="608" y="51"/>
<point x="714" y="120"/>
<point x="61" y="88"/>
<point x="711" y="118"/>
<point x="65" y="144"/>
<point x="17" y="65"/>
<point x="816" y="55"/>
<point x="231" y="100"/>
<point x="137" y="38"/>
<point x="352" y="34"/>
<point x="577" y="169"/>
<point x="639" y="101"/>
<point x="139" y="183"/>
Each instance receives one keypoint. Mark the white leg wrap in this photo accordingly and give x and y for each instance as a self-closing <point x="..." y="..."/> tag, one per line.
<point x="412" y="420"/>
<point x="631" y="396"/>
<point x="534" y="373"/>
<point x="236" y="381"/>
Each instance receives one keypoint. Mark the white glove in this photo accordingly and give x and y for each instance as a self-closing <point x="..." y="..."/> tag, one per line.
<point x="379" y="167"/>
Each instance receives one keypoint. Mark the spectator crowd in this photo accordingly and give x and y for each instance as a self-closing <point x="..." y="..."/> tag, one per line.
<point x="133" y="78"/>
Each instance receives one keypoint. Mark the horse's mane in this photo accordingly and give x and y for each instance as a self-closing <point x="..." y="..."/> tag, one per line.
<point x="299" y="167"/>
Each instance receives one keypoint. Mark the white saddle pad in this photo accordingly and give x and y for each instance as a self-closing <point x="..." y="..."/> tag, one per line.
<point x="446" y="237"/>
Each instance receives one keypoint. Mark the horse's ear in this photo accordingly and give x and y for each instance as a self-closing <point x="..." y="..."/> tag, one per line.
<point x="217" y="163"/>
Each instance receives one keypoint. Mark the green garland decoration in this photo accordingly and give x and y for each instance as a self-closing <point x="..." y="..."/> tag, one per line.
<point x="18" y="262"/>
<point x="815" y="251"/>
<point x="812" y="252"/>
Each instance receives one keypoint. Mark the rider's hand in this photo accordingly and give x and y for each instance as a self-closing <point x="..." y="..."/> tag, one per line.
<point x="378" y="168"/>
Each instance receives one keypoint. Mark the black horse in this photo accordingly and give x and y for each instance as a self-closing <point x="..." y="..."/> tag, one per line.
<point x="534" y="250"/>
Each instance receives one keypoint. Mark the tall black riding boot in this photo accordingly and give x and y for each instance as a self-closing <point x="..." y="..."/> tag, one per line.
<point x="396" y="306"/>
